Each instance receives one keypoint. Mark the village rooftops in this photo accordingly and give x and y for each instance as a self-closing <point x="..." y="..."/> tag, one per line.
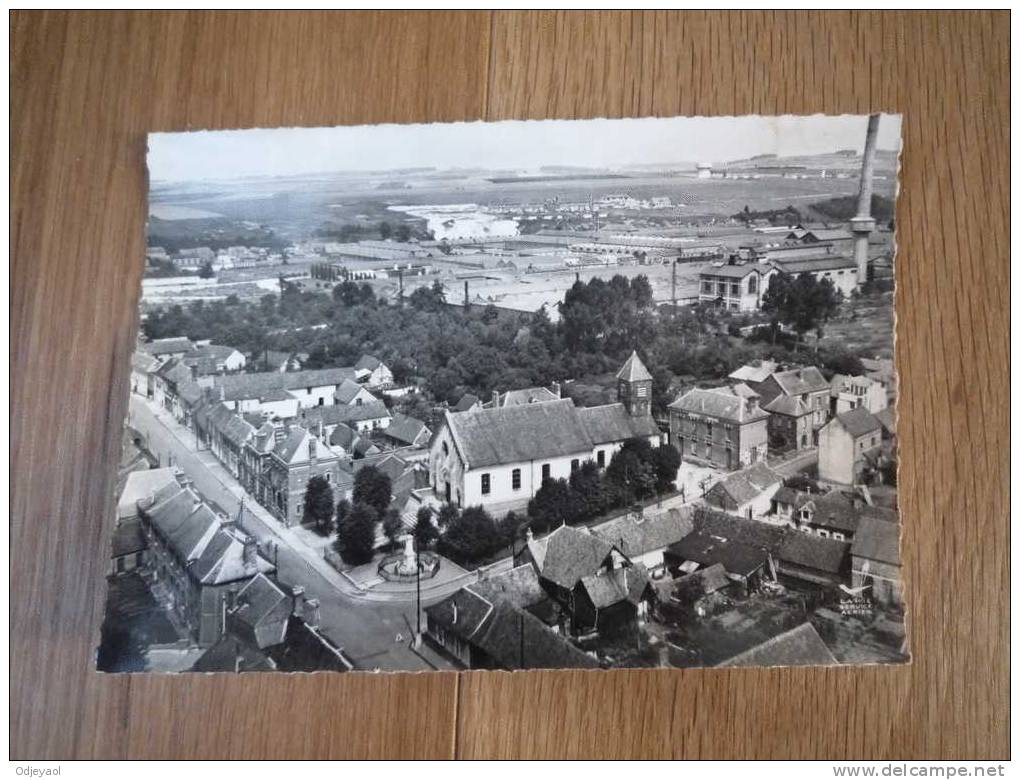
<point x="567" y="554"/>
<point x="343" y="414"/>
<point x="367" y="363"/>
<point x="144" y="484"/>
<point x="813" y="552"/>
<point x="800" y="646"/>
<point x="736" y="557"/>
<point x="789" y="406"/>
<point x="721" y="403"/>
<point x="466" y="402"/>
<point x="516" y="639"/>
<point x="529" y="395"/>
<point x="240" y="387"/>
<point x="845" y="382"/>
<point x="212" y="552"/>
<point x="261" y="612"/>
<point x="736" y="270"/>
<point x="297" y="447"/>
<point x="859" y="422"/>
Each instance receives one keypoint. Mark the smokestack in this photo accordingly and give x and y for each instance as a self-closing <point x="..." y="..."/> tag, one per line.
<point x="864" y="223"/>
<point x="466" y="299"/>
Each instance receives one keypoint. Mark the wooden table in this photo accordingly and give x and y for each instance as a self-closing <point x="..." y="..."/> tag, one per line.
<point x="86" y="87"/>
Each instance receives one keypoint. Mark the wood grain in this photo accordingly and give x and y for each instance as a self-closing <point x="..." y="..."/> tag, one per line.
<point x="86" y="87"/>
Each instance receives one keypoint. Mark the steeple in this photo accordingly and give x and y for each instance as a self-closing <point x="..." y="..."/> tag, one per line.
<point x="634" y="387"/>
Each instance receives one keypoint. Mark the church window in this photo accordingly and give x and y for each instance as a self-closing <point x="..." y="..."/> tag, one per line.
<point x="546" y="471"/>
<point x="600" y="458"/>
<point x="575" y="464"/>
<point x="486" y="484"/>
<point x="515" y="479"/>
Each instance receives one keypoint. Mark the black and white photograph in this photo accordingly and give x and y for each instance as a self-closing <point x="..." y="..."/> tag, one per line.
<point x="564" y="394"/>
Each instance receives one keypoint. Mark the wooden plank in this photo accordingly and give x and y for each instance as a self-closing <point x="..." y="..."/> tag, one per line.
<point x="948" y="74"/>
<point x="85" y="88"/>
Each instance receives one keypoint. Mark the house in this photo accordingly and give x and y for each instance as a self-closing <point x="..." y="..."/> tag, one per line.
<point x="644" y="540"/>
<point x="166" y="381"/>
<point x="719" y="427"/>
<point x="527" y="395"/>
<point x="143" y="365"/>
<point x="128" y="546"/>
<point x="800" y="646"/>
<point x="882" y="370"/>
<point x="466" y="403"/>
<point x="492" y="625"/>
<point x="611" y="601"/>
<point x="297" y="455"/>
<point x="351" y="444"/>
<point x="887" y="417"/>
<point x="498" y="457"/>
<point x="372" y="372"/>
<point x="360" y="417"/>
<point x="407" y="431"/>
<point x="791" y="423"/>
<point x="753" y="374"/>
<point x="249" y="392"/>
<point x="875" y="561"/>
<point x="196" y="560"/>
<point x="745" y="564"/>
<point x="840" y="271"/>
<point x="746" y="493"/>
<point x="844" y="445"/>
<point x="804" y="383"/>
<point x="834" y="515"/>
<point x="738" y="287"/>
<point x="350" y="393"/>
<point x="272" y="627"/>
<point x="164" y="349"/>
<point x="812" y="559"/>
<point x="850" y="392"/>
<point x="208" y="359"/>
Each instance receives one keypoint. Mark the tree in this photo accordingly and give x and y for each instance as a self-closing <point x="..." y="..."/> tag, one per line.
<point x="385" y="230"/>
<point x="355" y="539"/>
<point x="206" y="271"/>
<point x="631" y="473"/>
<point x="393" y="525"/>
<point x="424" y="531"/>
<point x="448" y="515"/>
<point x="586" y="484"/>
<point x="470" y="538"/>
<point x="319" y="504"/>
<point x="802" y="302"/>
<point x="403" y="232"/>
<point x="373" y="488"/>
<point x="666" y="460"/>
<point x="343" y="509"/>
<point x="555" y="504"/>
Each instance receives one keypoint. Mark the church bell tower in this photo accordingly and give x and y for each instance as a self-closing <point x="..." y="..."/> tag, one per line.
<point x="634" y="387"/>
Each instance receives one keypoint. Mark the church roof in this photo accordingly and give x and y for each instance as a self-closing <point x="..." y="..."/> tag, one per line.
<point x="612" y="422"/>
<point x="512" y="434"/>
<point x="634" y="370"/>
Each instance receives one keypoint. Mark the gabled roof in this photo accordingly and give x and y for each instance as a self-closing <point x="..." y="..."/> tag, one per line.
<point x="813" y="552"/>
<point x="486" y="437"/>
<point x="787" y="405"/>
<point x="406" y="429"/>
<point x="877" y="540"/>
<point x="528" y="395"/>
<point x="736" y="271"/>
<point x="143" y="361"/>
<point x="887" y="417"/>
<point x="754" y="372"/>
<point x="348" y="391"/>
<point x="800" y="646"/>
<point x="730" y="527"/>
<point x="628" y="583"/>
<point x="633" y="370"/>
<point x="516" y="639"/>
<point x="296" y="447"/>
<point x="367" y="363"/>
<point x="168" y="346"/>
<point x="841" y="382"/>
<point x="742" y="486"/>
<point x="634" y="536"/>
<point x="144" y="483"/>
<point x="713" y="578"/>
<point x="735" y="556"/>
<point x="567" y="555"/>
<point x="520" y="586"/>
<point x="613" y="423"/>
<point x="466" y="402"/>
<point x="463" y="613"/>
<point x="859" y="422"/>
<point x="720" y="402"/>
<point x="261" y="612"/>
<point x="797" y="381"/>
<point x="239" y="387"/>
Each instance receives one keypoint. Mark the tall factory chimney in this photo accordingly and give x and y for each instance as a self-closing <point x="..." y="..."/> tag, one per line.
<point x="467" y="301"/>
<point x="862" y="225"/>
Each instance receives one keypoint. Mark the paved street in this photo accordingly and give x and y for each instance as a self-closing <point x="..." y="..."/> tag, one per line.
<point x="796" y="462"/>
<point x="374" y="633"/>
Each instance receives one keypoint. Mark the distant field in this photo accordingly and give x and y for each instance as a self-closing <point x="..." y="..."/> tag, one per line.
<point x="172" y="213"/>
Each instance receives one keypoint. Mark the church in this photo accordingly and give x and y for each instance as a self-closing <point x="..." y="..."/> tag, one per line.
<point x="498" y="458"/>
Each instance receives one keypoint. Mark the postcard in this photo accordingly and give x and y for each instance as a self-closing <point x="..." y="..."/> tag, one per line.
<point x="612" y="393"/>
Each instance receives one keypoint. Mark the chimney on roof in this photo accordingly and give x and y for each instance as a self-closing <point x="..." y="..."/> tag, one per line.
<point x="556" y="389"/>
<point x="312" y="449"/>
<point x="250" y="555"/>
<point x="495" y="399"/>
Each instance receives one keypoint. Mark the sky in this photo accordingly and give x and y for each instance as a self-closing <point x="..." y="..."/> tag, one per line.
<point x="528" y="145"/>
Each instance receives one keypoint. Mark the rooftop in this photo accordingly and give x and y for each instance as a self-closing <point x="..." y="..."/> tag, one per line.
<point x="800" y="646"/>
<point x="721" y="403"/>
